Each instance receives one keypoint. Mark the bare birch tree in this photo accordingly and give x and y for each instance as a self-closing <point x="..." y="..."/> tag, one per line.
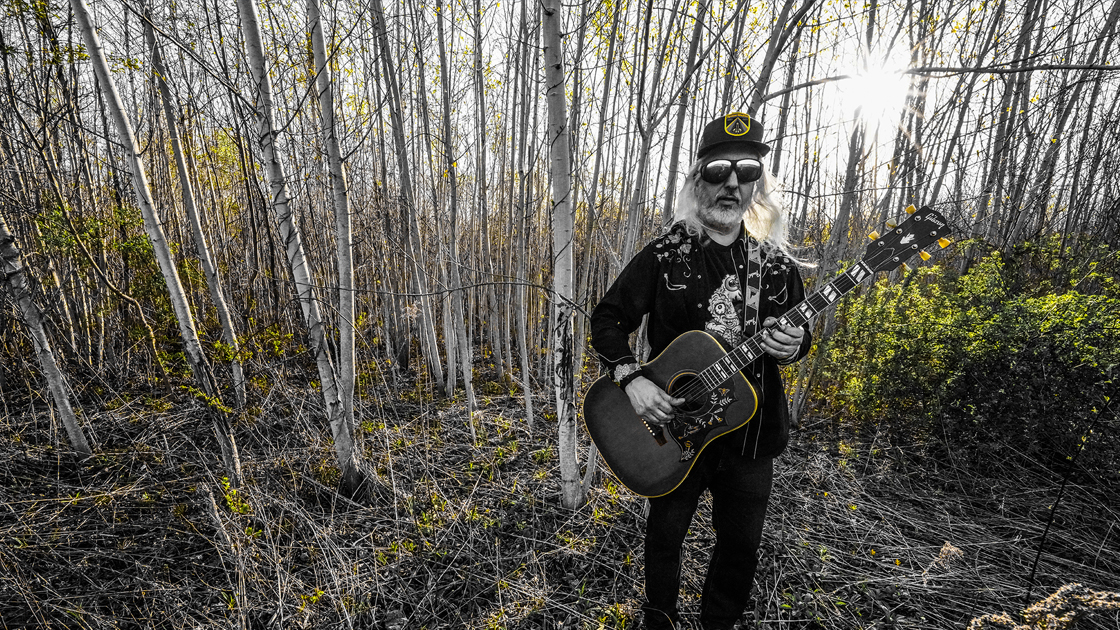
<point x="341" y="202"/>
<point x="152" y="226"/>
<point x="573" y="494"/>
<point x="458" y="313"/>
<point x="414" y="246"/>
<point x="345" y="452"/>
<point x="213" y="281"/>
<point x="15" y="281"/>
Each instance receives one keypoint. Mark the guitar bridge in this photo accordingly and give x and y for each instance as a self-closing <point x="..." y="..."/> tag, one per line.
<point x="657" y="432"/>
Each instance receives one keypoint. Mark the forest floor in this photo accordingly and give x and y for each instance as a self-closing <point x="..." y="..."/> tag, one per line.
<point x="145" y="534"/>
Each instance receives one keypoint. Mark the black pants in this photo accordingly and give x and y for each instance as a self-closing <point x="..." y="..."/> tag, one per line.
<point x="740" y="489"/>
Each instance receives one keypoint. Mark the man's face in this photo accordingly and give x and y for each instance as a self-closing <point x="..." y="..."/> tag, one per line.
<point x="722" y="205"/>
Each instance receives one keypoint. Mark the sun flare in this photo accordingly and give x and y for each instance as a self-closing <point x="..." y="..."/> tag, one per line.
<point x="876" y="93"/>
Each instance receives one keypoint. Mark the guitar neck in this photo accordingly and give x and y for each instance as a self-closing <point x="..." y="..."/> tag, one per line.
<point x="803" y="313"/>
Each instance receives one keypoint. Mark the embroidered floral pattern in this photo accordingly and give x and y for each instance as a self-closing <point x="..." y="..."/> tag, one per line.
<point x="688" y="429"/>
<point x="777" y="269"/>
<point x="674" y="247"/>
<point x="669" y="284"/>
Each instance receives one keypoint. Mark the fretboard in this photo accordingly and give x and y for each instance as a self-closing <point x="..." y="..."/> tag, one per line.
<point x="745" y="353"/>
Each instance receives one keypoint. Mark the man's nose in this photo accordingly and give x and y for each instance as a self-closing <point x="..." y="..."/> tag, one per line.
<point x="732" y="180"/>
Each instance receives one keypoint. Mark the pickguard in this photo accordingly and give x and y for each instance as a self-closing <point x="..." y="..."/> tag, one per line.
<point x="689" y="428"/>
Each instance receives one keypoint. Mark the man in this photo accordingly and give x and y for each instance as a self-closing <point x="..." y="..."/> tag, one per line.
<point x="723" y="267"/>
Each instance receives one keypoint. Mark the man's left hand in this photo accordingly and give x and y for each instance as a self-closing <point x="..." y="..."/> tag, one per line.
<point x="781" y="342"/>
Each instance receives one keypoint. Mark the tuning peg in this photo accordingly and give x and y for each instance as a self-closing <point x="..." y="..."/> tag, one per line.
<point x="910" y="209"/>
<point x="905" y="268"/>
<point x="873" y="235"/>
<point x="944" y="242"/>
<point x="925" y="255"/>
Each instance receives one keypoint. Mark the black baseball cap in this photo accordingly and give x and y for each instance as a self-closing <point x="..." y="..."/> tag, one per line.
<point x="734" y="128"/>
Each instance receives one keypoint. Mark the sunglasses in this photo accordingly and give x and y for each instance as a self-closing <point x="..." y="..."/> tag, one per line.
<point x="717" y="171"/>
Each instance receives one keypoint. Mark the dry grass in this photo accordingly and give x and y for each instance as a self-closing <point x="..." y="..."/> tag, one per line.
<point x="145" y="534"/>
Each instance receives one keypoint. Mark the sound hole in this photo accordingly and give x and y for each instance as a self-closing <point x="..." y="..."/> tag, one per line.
<point x="695" y="395"/>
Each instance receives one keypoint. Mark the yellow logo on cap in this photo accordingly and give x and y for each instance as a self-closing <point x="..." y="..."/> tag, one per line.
<point x="737" y="124"/>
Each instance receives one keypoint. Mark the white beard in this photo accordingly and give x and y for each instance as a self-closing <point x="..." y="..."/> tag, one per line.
<point x="720" y="219"/>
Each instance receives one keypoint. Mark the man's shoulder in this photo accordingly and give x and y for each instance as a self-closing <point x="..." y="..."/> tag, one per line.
<point x="676" y="240"/>
<point x="776" y="261"/>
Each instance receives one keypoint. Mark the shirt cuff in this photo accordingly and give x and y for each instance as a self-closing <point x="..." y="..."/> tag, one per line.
<point x="621" y="372"/>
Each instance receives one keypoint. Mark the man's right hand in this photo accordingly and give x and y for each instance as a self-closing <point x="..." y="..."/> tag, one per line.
<point x="650" y="401"/>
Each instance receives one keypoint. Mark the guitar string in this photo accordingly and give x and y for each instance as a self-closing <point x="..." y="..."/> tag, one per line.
<point x="697" y="388"/>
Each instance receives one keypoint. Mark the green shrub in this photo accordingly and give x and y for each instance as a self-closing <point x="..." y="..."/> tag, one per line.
<point x="976" y="364"/>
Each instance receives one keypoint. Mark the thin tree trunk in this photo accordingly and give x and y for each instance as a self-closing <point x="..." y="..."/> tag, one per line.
<point x="784" y="28"/>
<point x="493" y="311"/>
<point x="15" y="281"/>
<point x="345" y="452"/>
<point x="784" y="110"/>
<point x="678" y="131"/>
<point x="732" y="71"/>
<point x="1075" y="200"/>
<point x="341" y="203"/>
<point x="525" y="171"/>
<point x="593" y="193"/>
<point x="414" y="245"/>
<point x="152" y="224"/>
<point x="646" y="125"/>
<point x="1041" y="191"/>
<point x="47" y="30"/>
<point x="458" y="315"/>
<point x="193" y="348"/>
<point x="993" y="186"/>
<point x="572" y="492"/>
<point x="217" y="295"/>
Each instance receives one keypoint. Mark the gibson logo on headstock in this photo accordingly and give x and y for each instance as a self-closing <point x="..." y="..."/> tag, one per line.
<point x="933" y="217"/>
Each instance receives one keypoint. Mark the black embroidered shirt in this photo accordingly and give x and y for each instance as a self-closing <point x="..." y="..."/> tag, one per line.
<point x="687" y="282"/>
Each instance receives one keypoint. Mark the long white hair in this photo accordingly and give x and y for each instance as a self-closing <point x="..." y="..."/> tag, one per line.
<point x="765" y="216"/>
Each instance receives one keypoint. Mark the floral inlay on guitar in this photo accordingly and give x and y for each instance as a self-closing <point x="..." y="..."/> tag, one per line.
<point x="688" y="428"/>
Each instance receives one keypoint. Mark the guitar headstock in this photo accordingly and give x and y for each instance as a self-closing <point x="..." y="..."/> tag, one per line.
<point x="923" y="228"/>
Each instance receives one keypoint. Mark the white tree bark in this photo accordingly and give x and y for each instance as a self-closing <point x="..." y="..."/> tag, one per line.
<point x="525" y="160"/>
<point x="293" y="244"/>
<point x="152" y="225"/>
<point x="572" y="491"/>
<point x="191" y="345"/>
<point x="213" y="281"/>
<point x="415" y="246"/>
<point x="458" y="313"/>
<point x="12" y="275"/>
<point x="492" y="313"/>
<point x="341" y="198"/>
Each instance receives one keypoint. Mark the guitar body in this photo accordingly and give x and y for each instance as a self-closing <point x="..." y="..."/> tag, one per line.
<point x="651" y="460"/>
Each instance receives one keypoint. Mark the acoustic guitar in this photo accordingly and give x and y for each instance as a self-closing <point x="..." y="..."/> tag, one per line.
<point x="652" y="460"/>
